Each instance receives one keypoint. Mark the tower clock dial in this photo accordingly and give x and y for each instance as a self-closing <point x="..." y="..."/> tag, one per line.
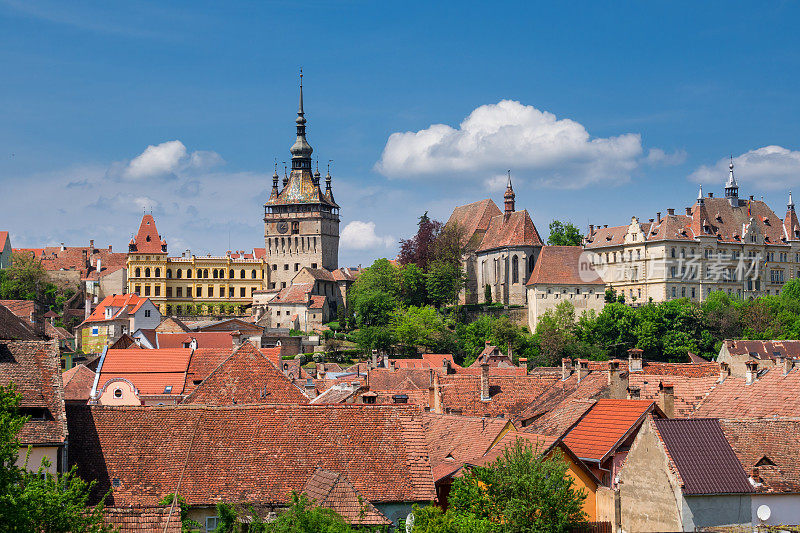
<point x="283" y="226"/>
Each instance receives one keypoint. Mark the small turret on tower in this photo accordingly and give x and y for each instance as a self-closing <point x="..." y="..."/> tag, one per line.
<point x="509" y="197"/>
<point x="731" y="188"/>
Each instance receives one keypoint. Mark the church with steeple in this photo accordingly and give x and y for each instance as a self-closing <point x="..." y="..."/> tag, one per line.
<point x="301" y="220"/>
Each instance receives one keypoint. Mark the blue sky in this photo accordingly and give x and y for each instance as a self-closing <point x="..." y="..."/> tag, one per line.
<point x="601" y="113"/>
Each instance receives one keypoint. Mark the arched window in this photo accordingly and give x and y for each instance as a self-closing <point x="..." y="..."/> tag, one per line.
<point x="214" y="273"/>
<point x="138" y="272"/>
<point x="205" y="273"/>
<point x="231" y="274"/>
<point x="241" y="274"/>
<point x="253" y="274"/>
<point x="169" y="273"/>
<point x="158" y="272"/>
<point x="188" y="272"/>
<point x="147" y="272"/>
<point x="178" y="273"/>
<point x="515" y="270"/>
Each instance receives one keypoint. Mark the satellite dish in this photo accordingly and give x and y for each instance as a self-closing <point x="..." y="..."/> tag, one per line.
<point x="410" y="522"/>
<point x="763" y="512"/>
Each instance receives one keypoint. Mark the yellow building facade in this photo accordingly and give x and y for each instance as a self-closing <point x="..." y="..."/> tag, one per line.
<point x="194" y="284"/>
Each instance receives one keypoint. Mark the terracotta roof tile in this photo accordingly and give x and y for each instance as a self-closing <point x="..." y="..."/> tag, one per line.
<point x="35" y="369"/>
<point x="147" y="239"/>
<point x="247" y="376"/>
<point x="142" y="519"/>
<point x="78" y="382"/>
<point x="688" y="392"/>
<point x="205" y="339"/>
<point x="760" y="349"/>
<point x="508" y="394"/>
<point x="22" y="308"/>
<point x="540" y="443"/>
<point x="600" y="430"/>
<point x="561" y="418"/>
<point x="515" y="230"/>
<point x="773" y="446"/>
<point x="773" y="394"/>
<point x="249" y="454"/>
<point x="13" y="327"/>
<point x="563" y="265"/>
<point x="334" y="491"/>
<point x="473" y="220"/>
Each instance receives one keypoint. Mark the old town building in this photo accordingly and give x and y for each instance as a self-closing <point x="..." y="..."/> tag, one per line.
<point x="730" y="244"/>
<point x="301" y="222"/>
<point x="176" y="285"/>
<point x="499" y="250"/>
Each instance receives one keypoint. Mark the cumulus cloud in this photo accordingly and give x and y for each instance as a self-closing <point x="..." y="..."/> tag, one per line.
<point x="657" y="156"/>
<point x="772" y="167"/>
<point x="358" y="235"/>
<point x="170" y="158"/>
<point x="555" y="152"/>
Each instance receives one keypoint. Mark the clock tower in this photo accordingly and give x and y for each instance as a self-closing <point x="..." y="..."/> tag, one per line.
<point x="301" y="221"/>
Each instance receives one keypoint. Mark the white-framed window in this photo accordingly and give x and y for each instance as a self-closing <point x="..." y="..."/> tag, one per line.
<point x="95" y="332"/>
<point x="211" y="523"/>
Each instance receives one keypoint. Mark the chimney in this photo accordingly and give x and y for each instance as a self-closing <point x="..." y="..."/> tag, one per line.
<point x="605" y="225"/>
<point x="635" y="360"/>
<point x="109" y="248"/>
<point x="391" y="365"/>
<point x="752" y="372"/>
<point x="91" y="244"/>
<point x="671" y="211"/>
<point x="689" y="211"/>
<point x="310" y="390"/>
<point x="658" y="217"/>
<point x="751" y="197"/>
<point x="583" y="369"/>
<point x="633" y="393"/>
<point x="63" y="247"/>
<point x="523" y="363"/>
<point x="711" y="195"/>
<point x="566" y="368"/>
<point x="320" y="370"/>
<point x="666" y="399"/>
<point x="38" y="319"/>
<point x="788" y="363"/>
<point x="650" y="220"/>
<point x="616" y="385"/>
<point x="436" y="394"/>
<point x="724" y="371"/>
<point x="485" y="382"/>
<point x="374" y="358"/>
<point x="754" y="475"/>
<point x="445" y="366"/>
<point x="591" y="229"/>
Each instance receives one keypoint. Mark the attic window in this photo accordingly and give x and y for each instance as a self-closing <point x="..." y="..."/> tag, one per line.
<point x="168" y="389"/>
<point x="765" y="461"/>
<point x="197" y="381"/>
<point x="400" y="398"/>
<point x="147" y="238"/>
<point x="117" y="393"/>
<point x="116" y="482"/>
<point x="608" y="237"/>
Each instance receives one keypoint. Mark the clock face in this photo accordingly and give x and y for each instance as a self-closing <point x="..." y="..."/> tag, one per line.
<point x="283" y="226"/>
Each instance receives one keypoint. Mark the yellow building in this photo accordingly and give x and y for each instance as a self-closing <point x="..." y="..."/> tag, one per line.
<point x="192" y="285"/>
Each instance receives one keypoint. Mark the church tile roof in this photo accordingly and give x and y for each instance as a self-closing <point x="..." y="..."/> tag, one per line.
<point x="516" y="229"/>
<point x="334" y="491"/>
<point x="472" y="221"/>
<point x="563" y="265"/>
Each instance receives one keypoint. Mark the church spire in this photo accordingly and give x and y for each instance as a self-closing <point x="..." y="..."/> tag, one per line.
<point x="790" y="205"/>
<point x="328" y="179"/>
<point x="509" y="197"/>
<point x="301" y="150"/>
<point x="274" y="192"/>
<point x="700" y="200"/>
<point x="731" y="188"/>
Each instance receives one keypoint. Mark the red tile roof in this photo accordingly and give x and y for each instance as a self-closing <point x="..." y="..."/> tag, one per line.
<point x="3" y="240"/>
<point x="592" y="386"/>
<point x="688" y="392"/>
<point x="125" y="304"/>
<point x="296" y="293"/>
<point x="515" y="230"/>
<point x="334" y="491"/>
<point x="773" y="446"/>
<point x="454" y="439"/>
<point x="205" y="339"/>
<point x="473" y="221"/>
<point x="13" y="327"/>
<point x="22" y="308"/>
<point x="150" y="371"/>
<point x="247" y="376"/>
<point x="540" y="443"/>
<point x="142" y="519"/>
<point x="147" y="240"/>
<point x="35" y="369"/>
<point x="249" y="454"/>
<point x="78" y="382"/>
<point x="760" y="349"/>
<point x="702" y="456"/>
<point x="561" y="418"/>
<point x="773" y="394"/>
<point x="563" y="265"/>
<point x="603" y="428"/>
<point x="508" y="394"/>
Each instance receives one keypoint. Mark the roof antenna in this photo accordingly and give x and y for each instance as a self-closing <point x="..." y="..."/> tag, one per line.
<point x="509" y="178"/>
<point x="329" y="165"/>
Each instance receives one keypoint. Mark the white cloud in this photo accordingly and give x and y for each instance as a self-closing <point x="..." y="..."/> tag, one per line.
<point x="497" y="182"/>
<point x="555" y="152"/>
<point x="657" y="156"/>
<point x="358" y="235"/>
<point x="169" y="158"/>
<point x="772" y="167"/>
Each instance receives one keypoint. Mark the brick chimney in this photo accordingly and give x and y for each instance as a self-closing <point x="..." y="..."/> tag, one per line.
<point x="666" y="399"/>
<point x="671" y="211"/>
<point x="485" y="382"/>
<point x="751" y="374"/>
<point x="374" y="358"/>
<point x="436" y="393"/>
<point x="523" y="363"/>
<point x="311" y="391"/>
<point x="724" y="371"/>
<point x="566" y="368"/>
<point x="635" y="360"/>
<point x="446" y="366"/>
<point x="583" y="369"/>
<point x="788" y="363"/>
<point x="688" y="211"/>
<point x="658" y="217"/>
<point x="391" y="365"/>
<point x="633" y="393"/>
<point x="616" y="384"/>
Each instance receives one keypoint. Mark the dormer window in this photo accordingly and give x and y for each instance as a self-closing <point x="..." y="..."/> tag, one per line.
<point x="168" y="389"/>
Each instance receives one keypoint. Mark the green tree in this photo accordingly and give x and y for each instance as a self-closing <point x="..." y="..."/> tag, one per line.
<point x="556" y="331"/>
<point x="371" y="338"/>
<point x="418" y="326"/>
<point x="39" y="501"/>
<point x="564" y="234"/>
<point x="431" y="519"/>
<point x="303" y="517"/>
<point x="412" y="286"/>
<point x="521" y="491"/>
<point x="24" y="279"/>
<point x="443" y="282"/>
<point x="487" y="293"/>
<point x="375" y="294"/>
